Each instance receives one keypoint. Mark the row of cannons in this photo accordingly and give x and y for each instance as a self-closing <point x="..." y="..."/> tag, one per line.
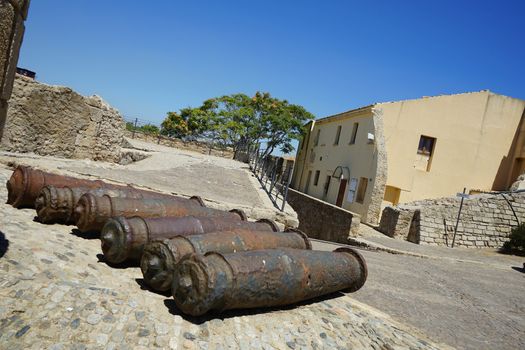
<point x="211" y="260"/>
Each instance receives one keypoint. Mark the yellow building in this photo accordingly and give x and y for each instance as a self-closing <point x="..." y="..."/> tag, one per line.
<point x="396" y="152"/>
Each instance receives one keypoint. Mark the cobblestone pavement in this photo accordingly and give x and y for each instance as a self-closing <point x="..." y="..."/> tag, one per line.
<point x="57" y="293"/>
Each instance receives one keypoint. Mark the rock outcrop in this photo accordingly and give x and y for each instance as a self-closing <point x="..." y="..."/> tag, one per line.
<point x="55" y="120"/>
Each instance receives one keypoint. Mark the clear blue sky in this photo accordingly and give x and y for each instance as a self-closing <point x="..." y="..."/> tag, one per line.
<point x="149" y="57"/>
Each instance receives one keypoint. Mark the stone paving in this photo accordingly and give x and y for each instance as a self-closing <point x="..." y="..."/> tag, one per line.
<point x="56" y="292"/>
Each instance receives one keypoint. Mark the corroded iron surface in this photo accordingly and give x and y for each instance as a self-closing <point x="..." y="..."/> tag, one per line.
<point x="124" y="238"/>
<point x="92" y="212"/>
<point x="160" y="257"/>
<point x="26" y="183"/>
<point x="57" y="204"/>
<point x="263" y="278"/>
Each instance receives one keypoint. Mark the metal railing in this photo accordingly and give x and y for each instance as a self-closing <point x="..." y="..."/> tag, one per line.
<point x="273" y="180"/>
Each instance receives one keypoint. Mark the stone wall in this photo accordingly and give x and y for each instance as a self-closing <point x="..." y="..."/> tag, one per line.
<point x="13" y="13"/>
<point x="55" y="120"/>
<point x="323" y="220"/>
<point x="194" y="146"/>
<point x="398" y="222"/>
<point x="485" y="221"/>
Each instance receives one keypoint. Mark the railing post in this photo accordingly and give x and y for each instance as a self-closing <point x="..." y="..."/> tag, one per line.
<point x="267" y="177"/>
<point x="272" y="183"/>
<point x="457" y="221"/>
<point x="134" y="128"/>
<point x="285" y="194"/>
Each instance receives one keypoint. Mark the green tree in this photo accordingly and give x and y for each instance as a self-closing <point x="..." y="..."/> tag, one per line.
<point x="516" y="242"/>
<point x="174" y="125"/>
<point x="241" y="121"/>
<point x="278" y="122"/>
<point x="149" y="129"/>
<point x="130" y="126"/>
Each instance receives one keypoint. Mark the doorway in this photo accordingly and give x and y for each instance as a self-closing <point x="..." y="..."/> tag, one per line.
<point x="341" y="193"/>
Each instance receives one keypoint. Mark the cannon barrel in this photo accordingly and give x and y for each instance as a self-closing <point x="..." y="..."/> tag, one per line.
<point x="124" y="238"/>
<point x="57" y="204"/>
<point x="92" y="212"/>
<point x="262" y="278"/>
<point x="160" y="258"/>
<point x="25" y="184"/>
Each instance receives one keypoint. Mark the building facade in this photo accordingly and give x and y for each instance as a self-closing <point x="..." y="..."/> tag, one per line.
<point x="397" y="152"/>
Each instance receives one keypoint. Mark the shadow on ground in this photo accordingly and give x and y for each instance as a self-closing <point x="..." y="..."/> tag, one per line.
<point x="124" y="265"/>
<point x="144" y="286"/>
<point x="85" y="235"/>
<point x="174" y="310"/>
<point x="4" y="244"/>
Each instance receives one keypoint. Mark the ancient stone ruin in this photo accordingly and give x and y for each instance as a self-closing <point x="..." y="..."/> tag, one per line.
<point x="55" y="120"/>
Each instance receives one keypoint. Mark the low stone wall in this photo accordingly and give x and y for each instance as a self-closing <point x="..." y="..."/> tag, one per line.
<point x="178" y="143"/>
<point x="485" y="221"/>
<point x="323" y="220"/>
<point x="399" y="222"/>
<point x="55" y="120"/>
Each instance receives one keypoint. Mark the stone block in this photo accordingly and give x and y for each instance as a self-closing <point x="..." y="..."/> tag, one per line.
<point x="319" y="219"/>
<point x="396" y="221"/>
<point x="21" y="6"/>
<point x="16" y="42"/>
<point x="7" y="15"/>
<point x="61" y="122"/>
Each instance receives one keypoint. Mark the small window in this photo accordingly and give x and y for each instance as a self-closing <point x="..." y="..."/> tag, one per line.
<point x="337" y="135"/>
<point x="327" y="184"/>
<point x="426" y="145"/>
<point x="354" y="133"/>
<point x="361" y="190"/>
<point x="317" y="137"/>
<point x="316" y="178"/>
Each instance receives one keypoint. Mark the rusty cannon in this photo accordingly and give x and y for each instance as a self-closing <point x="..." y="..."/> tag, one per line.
<point x="263" y="278"/>
<point x="57" y="204"/>
<point x="92" y="212"/>
<point x="25" y="184"/>
<point x="123" y="239"/>
<point x="160" y="258"/>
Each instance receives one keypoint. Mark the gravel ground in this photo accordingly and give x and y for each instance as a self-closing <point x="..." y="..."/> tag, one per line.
<point x="469" y="298"/>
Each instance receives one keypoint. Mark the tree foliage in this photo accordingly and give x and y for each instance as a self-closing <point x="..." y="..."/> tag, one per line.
<point x="174" y="125"/>
<point x="241" y="121"/>
<point x="516" y="242"/>
<point x="147" y="128"/>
